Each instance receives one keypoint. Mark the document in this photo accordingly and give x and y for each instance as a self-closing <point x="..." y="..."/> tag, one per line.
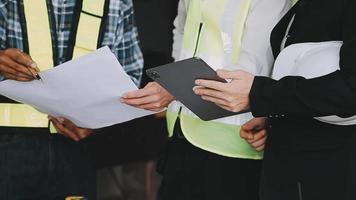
<point x="86" y="90"/>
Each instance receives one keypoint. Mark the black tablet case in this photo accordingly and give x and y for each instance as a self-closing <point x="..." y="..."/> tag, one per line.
<point x="179" y="79"/>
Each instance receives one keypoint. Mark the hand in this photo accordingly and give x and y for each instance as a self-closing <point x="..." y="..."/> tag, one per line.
<point x="69" y="129"/>
<point x="152" y="97"/>
<point x="15" y="65"/>
<point x="232" y="96"/>
<point x="254" y="132"/>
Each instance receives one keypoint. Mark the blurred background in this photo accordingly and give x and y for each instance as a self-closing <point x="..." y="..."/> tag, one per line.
<point x="125" y="154"/>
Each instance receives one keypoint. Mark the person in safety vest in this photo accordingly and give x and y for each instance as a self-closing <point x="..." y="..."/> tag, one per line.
<point x="208" y="159"/>
<point x="310" y="105"/>
<point x="35" y="164"/>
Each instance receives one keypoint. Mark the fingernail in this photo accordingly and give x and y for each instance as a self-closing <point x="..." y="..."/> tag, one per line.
<point x="197" y="82"/>
<point x="33" y="65"/>
<point x="196" y="89"/>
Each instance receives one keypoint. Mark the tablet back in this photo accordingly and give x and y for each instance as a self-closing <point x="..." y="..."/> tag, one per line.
<point x="179" y="79"/>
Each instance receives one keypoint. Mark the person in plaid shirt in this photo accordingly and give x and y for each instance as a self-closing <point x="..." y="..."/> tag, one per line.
<point x="33" y="163"/>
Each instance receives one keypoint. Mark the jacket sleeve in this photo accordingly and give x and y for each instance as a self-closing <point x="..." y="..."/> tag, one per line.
<point x="333" y="94"/>
<point x="178" y="30"/>
<point x="3" y="24"/>
<point x="255" y="52"/>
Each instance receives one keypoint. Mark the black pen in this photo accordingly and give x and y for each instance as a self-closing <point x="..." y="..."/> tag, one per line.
<point x="34" y="73"/>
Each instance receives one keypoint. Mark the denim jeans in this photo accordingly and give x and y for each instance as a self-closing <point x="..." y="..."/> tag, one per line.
<point x="37" y="165"/>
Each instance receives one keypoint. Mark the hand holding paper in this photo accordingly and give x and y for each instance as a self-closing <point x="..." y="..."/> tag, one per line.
<point x="153" y="97"/>
<point x="86" y="91"/>
<point x="16" y="65"/>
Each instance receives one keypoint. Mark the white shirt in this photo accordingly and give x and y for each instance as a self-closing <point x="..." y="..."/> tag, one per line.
<point x="255" y="53"/>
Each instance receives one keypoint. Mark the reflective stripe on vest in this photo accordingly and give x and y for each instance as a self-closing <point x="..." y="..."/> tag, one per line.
<point x="89" y="27"/>
<point x="41" y="51"/>
<point x="219" y="42"/>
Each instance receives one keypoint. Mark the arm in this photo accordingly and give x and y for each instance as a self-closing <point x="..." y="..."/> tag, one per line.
<point x="333" y="94"/>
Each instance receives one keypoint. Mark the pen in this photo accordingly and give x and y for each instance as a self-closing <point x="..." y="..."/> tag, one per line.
<point x="34" y="73"/>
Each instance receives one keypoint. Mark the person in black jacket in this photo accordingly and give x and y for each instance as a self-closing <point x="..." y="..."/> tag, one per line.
<point x="305" y="159"/>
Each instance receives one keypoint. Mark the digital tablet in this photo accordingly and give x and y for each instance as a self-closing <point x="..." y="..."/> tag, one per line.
<point x="179" y="79"/>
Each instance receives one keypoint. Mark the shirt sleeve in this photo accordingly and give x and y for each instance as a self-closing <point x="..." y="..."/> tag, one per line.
<point x="332" y="94"/>
<point x="3" y="25"/>
<point x="256" y="54"/>
<point x="128" y="49"/>
<point x="178" y="30"/>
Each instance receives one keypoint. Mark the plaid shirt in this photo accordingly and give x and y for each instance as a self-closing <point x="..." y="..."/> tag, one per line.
<point x="120" y="33"/>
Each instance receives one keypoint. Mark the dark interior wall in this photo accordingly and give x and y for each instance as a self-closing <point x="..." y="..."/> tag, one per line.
<point x="141" y="139"/>
<point x="154" y="19"/>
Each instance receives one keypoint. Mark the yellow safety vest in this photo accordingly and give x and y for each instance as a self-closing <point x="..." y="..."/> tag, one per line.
<point x="213" y="31"/>
<point x="41" y="50"/>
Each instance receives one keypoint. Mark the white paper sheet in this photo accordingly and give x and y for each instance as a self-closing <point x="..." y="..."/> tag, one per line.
<point x="86" y="91"/>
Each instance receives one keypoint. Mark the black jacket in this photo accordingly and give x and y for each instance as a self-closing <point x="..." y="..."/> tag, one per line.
<point x="306" y="159"/>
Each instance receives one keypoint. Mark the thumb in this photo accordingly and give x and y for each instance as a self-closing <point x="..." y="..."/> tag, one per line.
<point x="247" y="135"/>
<point x="249" y="126"/>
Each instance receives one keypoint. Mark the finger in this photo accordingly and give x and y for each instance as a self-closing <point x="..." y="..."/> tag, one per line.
<point x="197" y="87"/>
<point x="137" y="94"/>
<point x="216" y="85"/>
<point x="24" y="69"/>
<point x="4" y="68"/>
<point x="209" y="92"/>
<point x="152" y="107"/>
<point x="258" y="136"/>
<point x="79" y="132"/>
<point x="249" y="126"/>
<point x="151" y="99"/>
<point x="229" y="106"/>
<point x="8" y="63"/>
<point x="83" y="133"/>
<point x="261" y="148"/>
<point x="33" y="64"/>
<point x="17" y="77"/>
<point x="59" y="131"/>
<point x="64" y="130"/>
<point x="68" y="124"/>
<point x="218" y="101"/>
<point x="56" y="124"/>
<point x="259" y="143"/>
<point x="246" y="135"/>
<point x="255" y="124"/>
<point x="22" y="58"/>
